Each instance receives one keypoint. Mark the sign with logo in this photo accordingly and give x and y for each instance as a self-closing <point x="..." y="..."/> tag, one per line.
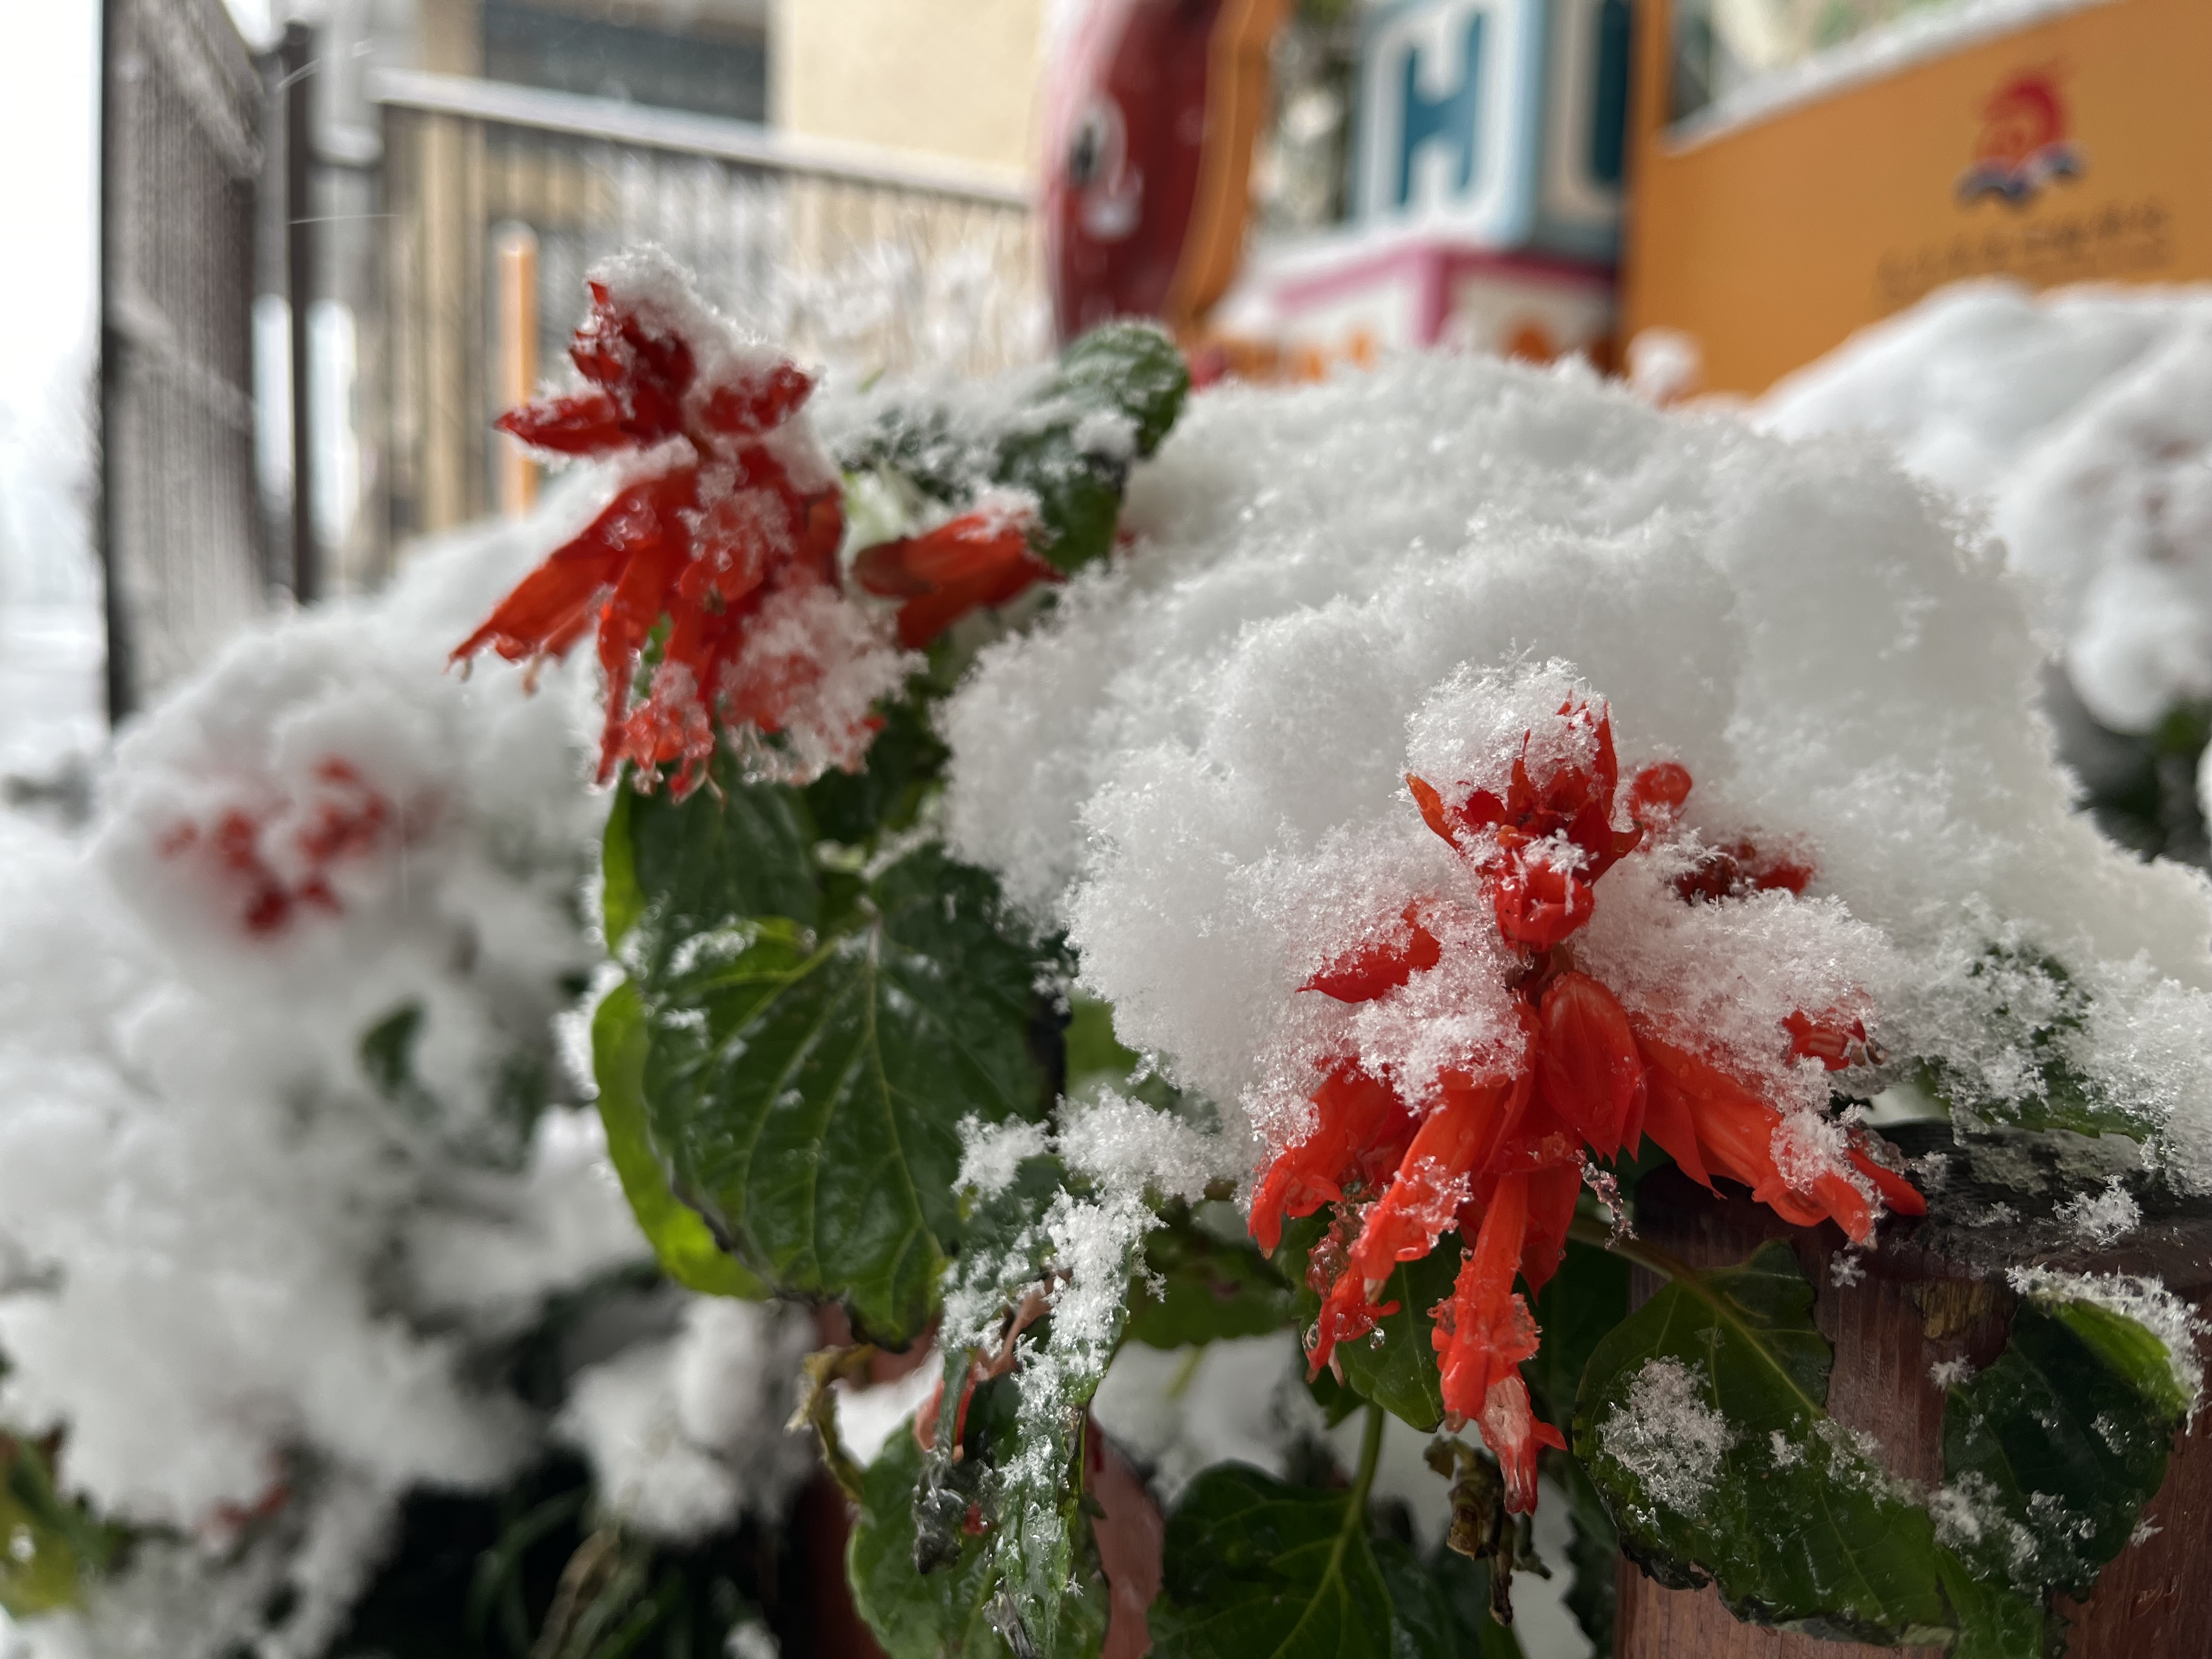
<point x="2067" y="146"/>
<point x="2024" y="143"/>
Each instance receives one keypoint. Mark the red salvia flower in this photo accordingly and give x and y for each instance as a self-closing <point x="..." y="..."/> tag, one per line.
<point x="1501" y="1155"/>
<point x="981" y="558"/>
<point x="728" y="515"/>
<point x="278" y="859"/>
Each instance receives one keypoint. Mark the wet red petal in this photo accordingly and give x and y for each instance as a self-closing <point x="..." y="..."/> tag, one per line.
<point x="965" y="564"/>
<point x="1360" y="1125"/>
<point x="1454" y="1139"/>
<point x="759" y="402"/>
<point x="1586" y="1063"/>
<point x="579" y="423"/>
<point x="1382" y="967"/>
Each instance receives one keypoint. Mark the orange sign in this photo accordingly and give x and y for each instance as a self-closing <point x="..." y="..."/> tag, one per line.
<point x="2065" y="150"/>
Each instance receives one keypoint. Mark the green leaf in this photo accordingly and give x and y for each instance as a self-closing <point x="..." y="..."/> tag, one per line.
<point x="903" y="764"/>
<point x="1702" y="1419"/>
<point x="2056" y="1448"/>
<point x="1209" y="1289"/>
<point x="808" y="1093"/>
<point x="51" y="1545"/>
<point x="725" y="855"/>
<point x="1050" y="445"/>
<point x="687" y="1250"/>
<point x="1396" y="1366"/>
<point x="1580" y="1303"/>
<point x="1255" y="1568"/>
<point x="2041" y="1012"/>
<point x="1135" y="369"/>
<point x="950" y="1611"/>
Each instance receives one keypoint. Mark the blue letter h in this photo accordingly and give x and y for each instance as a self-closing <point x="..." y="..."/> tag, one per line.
<point x="1454" y="119"/>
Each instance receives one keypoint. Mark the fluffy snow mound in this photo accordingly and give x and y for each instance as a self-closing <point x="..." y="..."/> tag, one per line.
<point x="1197" y="762"/>
<point x="286" y="1151"/>
<point x="2082" y="421"/>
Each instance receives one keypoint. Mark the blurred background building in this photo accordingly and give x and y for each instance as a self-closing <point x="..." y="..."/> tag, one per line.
<point x="905" y="185"/>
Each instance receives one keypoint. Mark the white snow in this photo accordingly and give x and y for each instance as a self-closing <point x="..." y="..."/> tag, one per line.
<point x="683" y="1434"/>
<point x="245" y="1264"/>
<point x="2081" y="421"/>
<point x="1196" y="761"/>
<point x="1667" y="1438"/>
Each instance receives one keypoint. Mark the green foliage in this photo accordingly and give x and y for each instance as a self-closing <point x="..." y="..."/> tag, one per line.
<point x="957" y="1609"/>
<point x="49" y="1545"/>
<point x="1128" y="372"/>
<point x="2060" y="1444"/>
<point x="806" y="1068"/>
<point x="1793" y="1518"/>
<point x="1258" y="1569"/>
<point x="1396" y="1367"/>
<point x="688" y="1251"/>
<point x="1208" y="1289"/>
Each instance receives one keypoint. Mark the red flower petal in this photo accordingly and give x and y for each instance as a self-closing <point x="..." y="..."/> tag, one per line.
<point x="1382" y="967"/>
<point x="1586" y="1063"/>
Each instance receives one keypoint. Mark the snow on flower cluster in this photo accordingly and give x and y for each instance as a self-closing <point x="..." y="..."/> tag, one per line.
<point x="1199" y="761"/>
<point x="2081" y="421"/>
<point x="285" y="1151"/>
<point x="1457" y="726"/>
<point x="728" y="523"/>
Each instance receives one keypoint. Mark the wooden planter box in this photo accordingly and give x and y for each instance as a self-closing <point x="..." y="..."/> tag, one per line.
<point x="1921" y="1300"/>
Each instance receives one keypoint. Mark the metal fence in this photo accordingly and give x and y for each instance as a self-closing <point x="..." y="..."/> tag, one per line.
<point x="871" y="261"/>
<point x="182" y="541"/>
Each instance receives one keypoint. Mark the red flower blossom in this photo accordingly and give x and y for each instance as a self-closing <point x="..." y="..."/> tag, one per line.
<point x="280" y="860"/>
<point x="1501" y="1155"/>
<point x="1483" y="1333"/>
<point x="980" y="558"/>
<point x="731" y="513"/>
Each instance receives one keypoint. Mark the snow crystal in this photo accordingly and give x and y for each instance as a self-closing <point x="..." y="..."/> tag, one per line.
<point x="286" y="1153"/>
<point x="1124" y="1144"/>
<point x="1196" y="761"/>
<point x="1665" y="1436"/>
<point x="683" y="1435"/>
<point x="2103" y="1218"/>
<point x="1951" y="1373"/>
<point x="990" y="1153"/>
<point x="1787" y="1453"/>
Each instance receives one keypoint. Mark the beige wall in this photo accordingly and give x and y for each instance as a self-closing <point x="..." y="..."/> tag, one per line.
<point x="952" y="77"/>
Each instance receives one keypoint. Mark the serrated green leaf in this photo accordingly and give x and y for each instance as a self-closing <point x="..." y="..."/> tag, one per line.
<point x="948" y="1611"/>
<point x="2059" y="1444"/>
<point x="1050" y="447"/>
<point x="686" y="1250"/>
<point x="1744" y="1479"/>
<point x="1208" y="1289"/>
<point x="1259" y="1569"/>
<point x="807" y="1094"/>
<point x="1396" y="1366"/>
<point x="723" y="856"/>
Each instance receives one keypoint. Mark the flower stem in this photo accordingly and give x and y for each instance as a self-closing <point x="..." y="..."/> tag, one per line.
<point x="1370" y="1454"/>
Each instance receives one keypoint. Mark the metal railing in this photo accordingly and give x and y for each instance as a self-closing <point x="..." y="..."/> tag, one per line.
<point x="182" y="541"/>
<point x="872" y="261"/>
